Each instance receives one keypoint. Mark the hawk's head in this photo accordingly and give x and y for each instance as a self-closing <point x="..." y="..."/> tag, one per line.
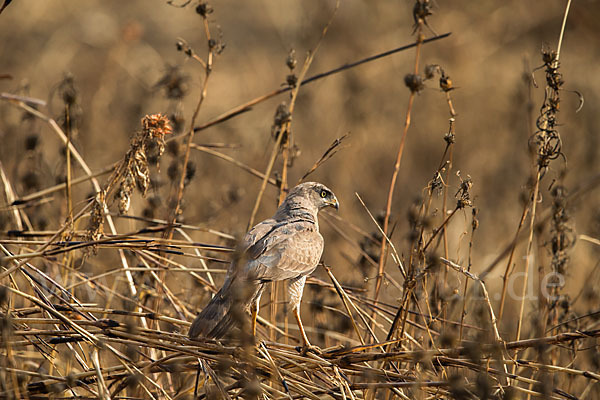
<point x="312" y="194"/>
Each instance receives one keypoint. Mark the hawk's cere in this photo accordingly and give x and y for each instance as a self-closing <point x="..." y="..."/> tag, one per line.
<point x="286" y="246"/>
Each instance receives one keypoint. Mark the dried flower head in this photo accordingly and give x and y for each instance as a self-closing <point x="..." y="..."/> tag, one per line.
<point x="282" y="117"/>
<point x="414" y="82"/>
<point x="95" y="228"/>
<point x="431" y="70"/>
<point x="547" y="141"/>
<point x="446" y="83"/>
<point x="463" y="194"/>
<point x="134" y="170"/>
<point x="204" y="9"/>
<point x="174" y="81"/>
<point x="291" y="61"/>
<point x="421" y="10"/>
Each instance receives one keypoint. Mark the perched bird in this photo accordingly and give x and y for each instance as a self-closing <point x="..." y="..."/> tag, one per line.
<point x="286" y="246"/>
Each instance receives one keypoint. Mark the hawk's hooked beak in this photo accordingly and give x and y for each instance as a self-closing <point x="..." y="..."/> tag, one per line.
<point x="334" y="203"/>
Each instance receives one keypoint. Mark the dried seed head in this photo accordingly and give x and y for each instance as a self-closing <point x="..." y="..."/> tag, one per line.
<point x="291" y="60"/>
<point x="173" y="148"/>
<point x="414" y="82"/>
<point x="173" y="171"/>
<point x="447" y="340"/>
<point x="154" y="201"/>
<point x="446" y="83"/>
<point x="31" y="180"/>
<point x="32" y="142"/>
<point x="156" y="126"/>
<point x="463" y="194"/>
<point x="174" y="82"/>
<point x="475" y="221"/>
<point x="450" y="138"/>
<point x="152" y="153"/>
<point x="421" y="10"/>
<point x="178" y="122"/>
<point x="123" y="195"/>
<point x="204" y="9"/>
<point x="430" y="70"/>
<point x="67" y="89"/>
<point x="344" y="324"/>
<point x="141" y="172"/>
<point x="134" y="171"/>
<point x="483" y="386"/>
<point x="291" y="80"/>
<point x="190" y="171"/>
<point x="282" y="116"/>
<point x="182" y="45"/>
<point x="217" y="45"/>
<point x="548" y="56"/>
<point x="95" y="229"/>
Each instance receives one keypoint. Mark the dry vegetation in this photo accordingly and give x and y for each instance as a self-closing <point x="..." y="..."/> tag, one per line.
<point x="463" y="262"/>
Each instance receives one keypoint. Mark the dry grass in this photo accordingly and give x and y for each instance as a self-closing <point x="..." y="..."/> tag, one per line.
<point x="452" y="271"/>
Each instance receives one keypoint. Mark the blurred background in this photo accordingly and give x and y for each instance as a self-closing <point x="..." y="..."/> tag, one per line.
<point x="121" y="61"/>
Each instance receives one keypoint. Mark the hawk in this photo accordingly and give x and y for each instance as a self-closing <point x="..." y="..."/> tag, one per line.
<point x="287" y="246"/>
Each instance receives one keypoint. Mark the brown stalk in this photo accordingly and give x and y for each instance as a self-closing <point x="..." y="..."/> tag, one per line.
<point x="534" y="198"/>
<point x="390" y="195"/>
<point x="233" y="161"/>
<point x="61" y="186"/>
<point x="68" y="155"/>
<point x="286" y="127"/>
<point x="448" y="167"/>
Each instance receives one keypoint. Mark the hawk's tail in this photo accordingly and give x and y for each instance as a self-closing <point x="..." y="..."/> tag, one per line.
<point x="226" y="310"/>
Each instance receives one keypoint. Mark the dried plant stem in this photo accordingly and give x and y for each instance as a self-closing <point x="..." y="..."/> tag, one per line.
<point x="445" y="212"/>
<point x="383" y="234"/>
<point x="43" y="247"/>
<point x="286" y="128"/>
<point x="562" y="31"/>
<point x="388" y="208"/>
<point x="191" y="131"/>
<point x="534" y="201"/>
<point x="347" y="302"/>
<point x="263" y="186"/>
<point x="436" y="231"/>
<point x="283" y="187"/>
<point x="68" y="156"/>
<point x="486" y="297"/>
<point x="61" y="186"/>
<point x="508" y="270"/>
<point x="234" y="161"/>
<point x="10" y="196"/>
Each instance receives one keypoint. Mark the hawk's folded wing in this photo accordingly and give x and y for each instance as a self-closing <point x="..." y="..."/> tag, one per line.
<point x="283" y="250"/>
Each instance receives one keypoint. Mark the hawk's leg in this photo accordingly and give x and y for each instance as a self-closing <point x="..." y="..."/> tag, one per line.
<point x="295" y="290"/>
<point x="254" y="311"/>
<point x="254" y="308"/>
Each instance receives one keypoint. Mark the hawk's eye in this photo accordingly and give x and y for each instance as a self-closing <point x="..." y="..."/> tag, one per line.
<point x="323" y="193"/>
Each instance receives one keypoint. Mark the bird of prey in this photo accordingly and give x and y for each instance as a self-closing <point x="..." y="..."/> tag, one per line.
<point x="287" y="246"/>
